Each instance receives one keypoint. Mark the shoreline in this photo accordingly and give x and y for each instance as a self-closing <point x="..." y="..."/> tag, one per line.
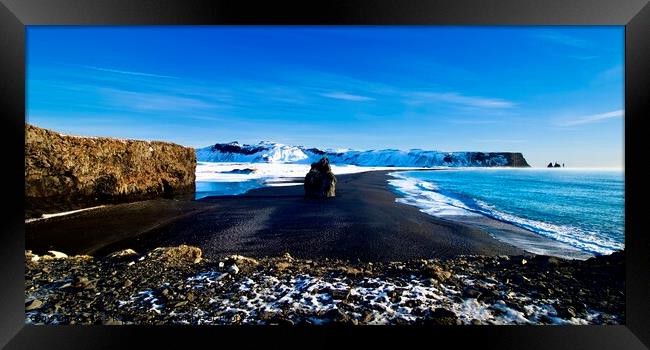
<point x="523" y="238"/>
<point x="363" y="222"/>
<point x="503" y="230"/>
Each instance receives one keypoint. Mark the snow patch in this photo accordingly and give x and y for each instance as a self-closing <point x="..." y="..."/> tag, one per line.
<point x="47" y="216"/>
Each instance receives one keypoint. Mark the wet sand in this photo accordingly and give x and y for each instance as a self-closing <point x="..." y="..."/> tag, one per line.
<point x="362" y="222"/>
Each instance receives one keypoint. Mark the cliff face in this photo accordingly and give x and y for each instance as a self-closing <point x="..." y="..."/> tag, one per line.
<point x="69" y="172"/>
<point x="271" y="152"/>
<point x="516" y="160"/>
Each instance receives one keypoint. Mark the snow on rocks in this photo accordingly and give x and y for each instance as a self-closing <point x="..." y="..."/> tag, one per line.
<point x="164" y="288"/>
<point x="57" y="255"/>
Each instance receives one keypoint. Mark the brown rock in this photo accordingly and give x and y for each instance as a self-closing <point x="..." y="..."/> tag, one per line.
<point x="320" y="182"/>
<point x="336" y="316"/>
<point x="242" y="260"/>
<point x="176" y="256"/>
<point x="182" y="303"/>
<point x="124" y="252"/>
<point x="68" y="172"/>
<point x="33" y="305"/>
<point x="351" y="271"/>
<point x="442" y="316"/>
<point x="437" y="273"/>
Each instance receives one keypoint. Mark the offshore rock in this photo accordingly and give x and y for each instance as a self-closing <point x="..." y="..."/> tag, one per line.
<point x="68" y="172"/>
<point x="320" y="182"/>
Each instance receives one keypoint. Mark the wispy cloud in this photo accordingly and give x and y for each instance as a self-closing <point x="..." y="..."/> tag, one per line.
<point x="117" y="71"/>
<point x="346" y="96"/>
<point x="145" y="101"/>
<point x="594" y="118"/>
<point x="502" y="140"/>
<point x="563" y="39"/>
<point x="462" y="100"/>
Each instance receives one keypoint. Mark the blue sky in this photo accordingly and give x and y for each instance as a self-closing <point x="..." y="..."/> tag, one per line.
<point x="553" y="93"/>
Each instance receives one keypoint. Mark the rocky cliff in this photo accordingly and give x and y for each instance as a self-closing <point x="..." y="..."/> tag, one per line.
<point x="70" y="172"/>
<point x="273" y="152"/>
<point x="515" y="159"/>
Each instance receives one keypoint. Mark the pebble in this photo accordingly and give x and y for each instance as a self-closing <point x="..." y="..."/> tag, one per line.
<point x="33" y="305"/>
<point x="471" y="293"/>
<point x="123" y="254"/>
<point x="355" y="290"/>
<point x="182" y="303"/>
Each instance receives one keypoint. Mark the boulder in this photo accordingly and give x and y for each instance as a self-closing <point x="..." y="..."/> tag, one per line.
<point x="123" y="254"/>
<point x="440" y="316"/>
<point x="176" y="256"/>
<point x="437" y="273"/>
<point x="320" y="182"/>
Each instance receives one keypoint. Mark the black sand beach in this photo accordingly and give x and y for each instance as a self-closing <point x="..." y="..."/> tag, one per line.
<point x="358" y="258"/>
<point x="362" y="222"/>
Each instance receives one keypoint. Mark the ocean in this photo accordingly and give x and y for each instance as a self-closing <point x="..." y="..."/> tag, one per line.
<point x="225" y="188"/>
<point x="581" y="208"/>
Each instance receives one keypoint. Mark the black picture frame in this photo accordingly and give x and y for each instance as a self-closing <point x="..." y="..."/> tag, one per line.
<point x="16" y="14"/>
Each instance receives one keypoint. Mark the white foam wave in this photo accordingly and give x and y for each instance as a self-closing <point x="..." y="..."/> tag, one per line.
<point x="424" y="196"/>
<point x="427" y="197"/>
<point x="574" y="236"/>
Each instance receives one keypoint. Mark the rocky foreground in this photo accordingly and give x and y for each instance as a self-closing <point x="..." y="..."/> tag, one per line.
<point x="175" y="285"/>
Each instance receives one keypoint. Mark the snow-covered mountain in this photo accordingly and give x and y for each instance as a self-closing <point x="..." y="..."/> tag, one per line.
<point x="272" y="152"/>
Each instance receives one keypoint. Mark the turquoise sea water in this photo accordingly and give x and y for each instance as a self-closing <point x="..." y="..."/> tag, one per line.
<point x="211" y="188"/>
<point x="582" y="208"/>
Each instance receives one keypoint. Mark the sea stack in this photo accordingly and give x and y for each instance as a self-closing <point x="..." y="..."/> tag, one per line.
<point x="320" y="182"/>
